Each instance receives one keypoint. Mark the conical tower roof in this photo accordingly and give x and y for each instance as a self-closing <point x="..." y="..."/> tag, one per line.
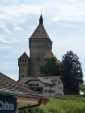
<point x="40" y="32"/>
<point x="24" y="55"/>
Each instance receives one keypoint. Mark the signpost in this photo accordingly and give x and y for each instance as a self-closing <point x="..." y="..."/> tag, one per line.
<point x="7" y="103"/>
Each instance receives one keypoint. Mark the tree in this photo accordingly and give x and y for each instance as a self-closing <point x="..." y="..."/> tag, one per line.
<point x="72" y="75"/>
<point x="82" y="89"/>
<point x="51" y="67"/>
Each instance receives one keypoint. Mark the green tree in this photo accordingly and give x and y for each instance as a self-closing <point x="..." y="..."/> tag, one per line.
<point x="72" y="75"/>
<point x="82" y="88"/>
<point x="51" y="67"/>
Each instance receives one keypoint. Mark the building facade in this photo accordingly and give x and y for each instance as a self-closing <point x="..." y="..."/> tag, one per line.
<point x="40" y="46"/>
<point x="46" y="86"/>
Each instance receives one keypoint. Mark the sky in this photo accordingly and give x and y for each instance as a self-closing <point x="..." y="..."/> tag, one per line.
<point x="64" y="20"/>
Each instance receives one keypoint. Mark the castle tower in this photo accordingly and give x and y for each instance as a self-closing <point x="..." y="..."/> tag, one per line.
<point x="23" y="63"/>
<point x="39" y="45"/>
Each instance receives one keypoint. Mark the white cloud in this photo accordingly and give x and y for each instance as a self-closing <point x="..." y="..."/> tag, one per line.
<point x="19" y="28"/>
<point x="66" y="13"/>
<point x="14" y="11"/>
<point x="68" y="10"/>
<point x="57" y="10"/>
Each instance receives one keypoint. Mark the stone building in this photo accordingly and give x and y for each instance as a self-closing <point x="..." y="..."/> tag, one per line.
<point x="40" y="46"/>
<point x="24" y="66"/>
<point x="46" y="86"/>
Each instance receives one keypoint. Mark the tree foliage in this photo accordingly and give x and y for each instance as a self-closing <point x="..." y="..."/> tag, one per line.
<point x="72" y="75"/>
<point x="51" y="67"/>
<point x="82" y="88"/>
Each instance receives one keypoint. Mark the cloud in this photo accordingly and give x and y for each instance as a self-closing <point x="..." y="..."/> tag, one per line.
<point x="67" y="10"/>
<point x="65" y="22"/>
<point x="14" y="11"/>
<point x="11" y="2"/>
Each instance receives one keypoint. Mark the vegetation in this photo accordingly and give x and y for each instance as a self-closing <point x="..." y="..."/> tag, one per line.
<point x="32" y="110"/>
<point x="70" y="104"/>
<point x="66" y="104"/>
<point x="70" y="69"/>
<point x="72" y="74"/>
<point x="51" y="67"/>
<point x="82" y="89"/>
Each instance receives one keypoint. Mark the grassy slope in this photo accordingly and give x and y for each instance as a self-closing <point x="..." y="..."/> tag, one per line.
<point x="68" y="104"/>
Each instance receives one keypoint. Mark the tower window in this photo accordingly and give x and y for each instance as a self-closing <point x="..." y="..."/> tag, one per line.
<point x="24" y="60"/>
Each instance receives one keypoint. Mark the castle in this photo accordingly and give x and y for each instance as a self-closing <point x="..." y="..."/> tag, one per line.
<point x="40" y="46"/>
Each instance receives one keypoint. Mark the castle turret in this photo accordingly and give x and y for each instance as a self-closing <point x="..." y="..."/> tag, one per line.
<point x="23" y="63"/>
<point x="39" y="44"/>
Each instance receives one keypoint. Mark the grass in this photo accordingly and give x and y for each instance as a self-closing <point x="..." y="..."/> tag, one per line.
<point x="66" y="104"/>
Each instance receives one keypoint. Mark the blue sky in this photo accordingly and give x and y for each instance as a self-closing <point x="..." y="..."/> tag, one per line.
<point x="64" y="21"/>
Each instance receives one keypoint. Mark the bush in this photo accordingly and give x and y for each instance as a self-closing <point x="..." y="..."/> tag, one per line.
<point x="32" y="110"/>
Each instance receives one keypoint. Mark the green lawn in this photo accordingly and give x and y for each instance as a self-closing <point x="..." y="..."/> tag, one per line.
<point x="66" y="104"/>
